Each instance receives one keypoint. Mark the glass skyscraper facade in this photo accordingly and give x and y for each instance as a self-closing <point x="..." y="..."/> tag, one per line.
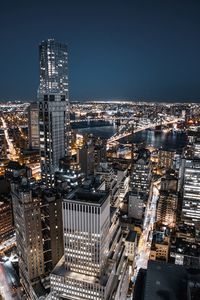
<point x="53" y="68"/>
<point x="54" y="122"/>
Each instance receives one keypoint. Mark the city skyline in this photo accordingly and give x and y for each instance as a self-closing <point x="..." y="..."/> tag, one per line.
<point x="100" y="199"/>
<point x="113" y="54"/>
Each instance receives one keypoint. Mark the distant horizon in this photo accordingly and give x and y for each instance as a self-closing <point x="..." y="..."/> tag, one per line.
<point x="112" y="101"/>
<point x="116" y="50"/>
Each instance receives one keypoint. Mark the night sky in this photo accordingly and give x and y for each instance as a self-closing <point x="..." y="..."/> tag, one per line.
<point x="139" y="50"/>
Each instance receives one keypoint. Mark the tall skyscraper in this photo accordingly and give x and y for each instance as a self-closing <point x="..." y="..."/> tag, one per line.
<point x="27" y="220"/>
<point x="86" y="249"/>
<point x="54" y="122"/>
<point x="39" y="234"/>
<point x="94" y="265"/>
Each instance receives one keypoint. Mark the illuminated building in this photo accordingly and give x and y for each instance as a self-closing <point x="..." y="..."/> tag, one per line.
<point x="131" y="244"/>
<point x="33" y="126"/>
<point x="27" y="220"/>
<point x="54" y="123"/>
<point x="15" y="170"/>
<point x="31" y="158"/>
<point x="165" y="159"/>
<point x="90" y="237"/>
<point x="191" y="192"/>
<point x="169" y="182"/>
<point x="160" y="244"/>
<point x="3" y="150"/>
<point x="106" y="172"/>
<point x="167" y="208"/>
<point x="6" y="219"/>
<point x="184" y="247"/>
<point x="141" y="174"/>
<point x="39" y="234"/>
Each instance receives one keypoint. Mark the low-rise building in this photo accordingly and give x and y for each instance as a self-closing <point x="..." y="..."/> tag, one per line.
<point x="160" y="245"/>
<point x="131" y="245"/>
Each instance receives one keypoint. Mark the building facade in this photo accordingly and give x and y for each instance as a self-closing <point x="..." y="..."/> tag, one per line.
<point x="33" y="126"/>
<point x="166" y="212"/>
<point x="39" y="234"/>
<point x="94" y="265"/>
<point x="54" y="122"/>
<point x="191" y="192"/>
<point x="27" y="220"/>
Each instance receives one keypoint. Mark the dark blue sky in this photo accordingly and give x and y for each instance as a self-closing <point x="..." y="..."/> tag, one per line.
<point x="117" y="49"/>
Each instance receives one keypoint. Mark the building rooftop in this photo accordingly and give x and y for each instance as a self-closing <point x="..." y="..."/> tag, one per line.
<point x="168" y="281"/>
<point x="60" y="270"/>
<point x="185" y="248"/>
<point x="131" y="236"/>
<point x="93" y="197"/>
<point x="14" y="165"/>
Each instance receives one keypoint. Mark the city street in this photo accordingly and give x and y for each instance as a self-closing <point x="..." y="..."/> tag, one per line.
<point x="12" y="154"/>
<point x="144" y="245"/>
<point x="8" y="279"/>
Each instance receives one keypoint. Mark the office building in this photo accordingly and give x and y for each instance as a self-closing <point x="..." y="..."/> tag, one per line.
<point x="160" y="244"/>
<point x="85" y="158"/>
<point x="165" y="159"/>
<point x="27" y="221"/>
<point x="52" y="227"/>
<point x="107" y="174"/>
<point x="33" y="126"/>
<point x="6" y="218"/>
<point x="191" y="192"/>
<point x="166" y="212"/>
<point x="86" y="253"/>
<point x="39" y="234"/>
<point x="54" y="122"/>
<point x="141" y="173"/>
<point x="131" y="245"/>
<point x="169" y="182"/>
<point x="94" y="265"/>
<point x="135" y="206"/>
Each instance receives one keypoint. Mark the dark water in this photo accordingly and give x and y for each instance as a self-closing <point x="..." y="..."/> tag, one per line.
<point x="166" y="141"/>
<point x="104" y="132"/>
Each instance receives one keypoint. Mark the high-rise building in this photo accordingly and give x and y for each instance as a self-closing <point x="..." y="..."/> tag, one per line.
<point x="39" y="234"/>
<point x="191" y="192"/>
<point x="106" y="172"/>
<point x="165" y="159"/>
<point x="94" y="265"/>
<point x="27" y="220"/>
<point x="54" y="122"/>
<point x="141" y="173"/>
<point x="86" y="242"/>
<point x="167" y="208"/>
<point x="135" y="206"/>
<point x="85" y="157"/>
<point x="6" y="218"/>
<point x="33" y="126"/>
<point x="52" y="227"/>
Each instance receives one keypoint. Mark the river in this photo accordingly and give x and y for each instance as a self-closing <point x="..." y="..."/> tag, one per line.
<point x="167" y="141"/>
